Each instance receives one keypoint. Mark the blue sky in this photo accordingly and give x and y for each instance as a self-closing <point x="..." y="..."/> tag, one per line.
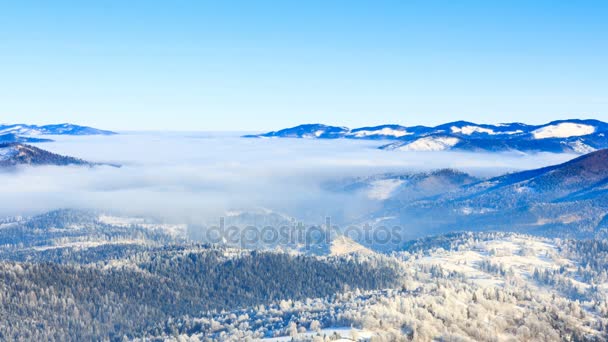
<point x="260" y="65"/>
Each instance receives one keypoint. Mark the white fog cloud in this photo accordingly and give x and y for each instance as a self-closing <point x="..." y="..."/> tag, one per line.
<point x="190" y="176"/>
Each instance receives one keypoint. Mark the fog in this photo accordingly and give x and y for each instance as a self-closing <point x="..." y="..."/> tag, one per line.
<point x="188" y="177"/>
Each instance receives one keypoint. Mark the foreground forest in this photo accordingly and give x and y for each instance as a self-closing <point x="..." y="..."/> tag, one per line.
<point x="99" y="281"/>
<point x="125" y="297"/>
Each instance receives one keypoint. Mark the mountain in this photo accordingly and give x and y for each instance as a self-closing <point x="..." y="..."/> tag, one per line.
<point x="21" y="133"/>
<point x="15" y="154"/>
<point x="46" y="236"/>
<point x="571" y="136"/>
<point x="310" y="131"/>
<point x="57" y="129"/>
<point x="569" y="199"/>
<point x="11" y="137"/>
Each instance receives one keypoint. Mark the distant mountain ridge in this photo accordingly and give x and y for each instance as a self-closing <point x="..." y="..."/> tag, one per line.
<point x="55" y="129"/>
<point x="573" y="136"/>
<point x="23" y="133"/>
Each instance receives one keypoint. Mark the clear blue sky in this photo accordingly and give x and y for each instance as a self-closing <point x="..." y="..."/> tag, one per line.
<point x="257" y="65"/>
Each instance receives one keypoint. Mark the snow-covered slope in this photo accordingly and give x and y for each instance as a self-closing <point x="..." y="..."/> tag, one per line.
<point x="563" y="130"/>
<point x="468" y="130"/>
<point x="342" y="245"/>
<point x="15" y="154"/>
<point x="432" y="143"/>
<point x="567" y="200"/>
<point x="384" y="132"/>
<point x="383" y="188"/>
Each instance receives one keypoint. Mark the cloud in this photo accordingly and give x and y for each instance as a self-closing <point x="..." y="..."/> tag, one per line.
<point x="189" y="177"/>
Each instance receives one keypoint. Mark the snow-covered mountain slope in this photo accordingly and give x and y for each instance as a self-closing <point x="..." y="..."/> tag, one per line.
<point x="573" y="136"/>
<point x="430" y="143"/>
<point x="58" y="129"/>
<point x="379" y="132"/>
<point x="568" y="199"/>
<point x="342" y="245"/>
<point x="309" y="131"/>
<point x="22" y="133"/>
<point x="563" y="130"/>
<point x="403" y="186"/>
<point x="15" y="154"/>
<point x="383" y="188"/>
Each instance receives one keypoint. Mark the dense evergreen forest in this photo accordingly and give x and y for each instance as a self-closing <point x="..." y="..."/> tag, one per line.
<point x="124" y="297"/>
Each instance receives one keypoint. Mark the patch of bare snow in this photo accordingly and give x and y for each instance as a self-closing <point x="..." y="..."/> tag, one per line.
<point x="169" y="228"/>
<point x="580" y="147"/>
<point x="430" y="144"/>
<point x="386" y="131"/>
<point x="342" y="245"/>
<point x="563" y="130"/>
<point x="89" y="244"/>
<point x="383" y="189"/>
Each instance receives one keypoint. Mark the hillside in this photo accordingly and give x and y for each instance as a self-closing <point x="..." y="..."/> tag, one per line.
<point x="16" y="154"/>
<point x="568" y="199"/>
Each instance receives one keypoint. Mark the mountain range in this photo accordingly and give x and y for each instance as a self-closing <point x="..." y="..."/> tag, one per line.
<point x="571" y="136"/>
<point x="23" y="133"/>
<point x="56" y="129"/>
<point x="565" y="200"/>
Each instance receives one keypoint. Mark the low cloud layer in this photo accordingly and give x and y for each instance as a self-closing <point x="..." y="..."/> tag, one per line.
<point x="188" y="177"/>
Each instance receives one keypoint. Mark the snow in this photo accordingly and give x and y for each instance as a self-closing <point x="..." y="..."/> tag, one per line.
<point x="386" y="131"/>
<point x="580" y="147"/>
<point x="7" y="152"/>
<point x="175" y="230"/>
<point x="383" y="189"/>
<point x="563" y="219"/>
<point x="468" y="130"/>
<point x="20" y="130"/>
<point x="120" y="221"/>
<point x="342" y="245"/>
<point x="346" y="335"/>
<point x="469" y="210"/>
<point x="430" y="144"/>
<point x="89" y="244"/>
<point x="520" y="254"/>
<point x="313" y="135"/>
<point x="563" y="130"/>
